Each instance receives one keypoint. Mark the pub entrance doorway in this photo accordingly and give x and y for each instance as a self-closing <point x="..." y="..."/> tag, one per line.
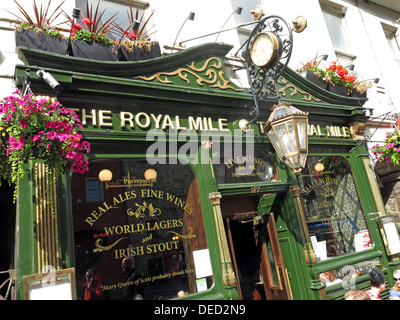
<point x="255" y="250"/>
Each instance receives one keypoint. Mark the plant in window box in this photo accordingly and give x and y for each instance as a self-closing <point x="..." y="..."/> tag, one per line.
<point x="335" y="78"/>
<point x="38" y="31"/>
<point x="136" y="44"/>
<point x="39" y="130"/>
<point x="390" y="150"/>
<point x="90" y="39"/>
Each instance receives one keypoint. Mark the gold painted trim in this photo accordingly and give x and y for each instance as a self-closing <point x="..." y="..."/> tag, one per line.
<point x="295" y="90"/>
<point x="211" y="76"/>
<point x="46" y="219"/>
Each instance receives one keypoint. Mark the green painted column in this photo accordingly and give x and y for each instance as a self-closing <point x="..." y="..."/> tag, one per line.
<point x="25" y="235"/>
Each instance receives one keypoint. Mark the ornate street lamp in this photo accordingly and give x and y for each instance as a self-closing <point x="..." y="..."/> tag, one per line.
<point x="286" y="128"/>
<point x="267" y="55"/>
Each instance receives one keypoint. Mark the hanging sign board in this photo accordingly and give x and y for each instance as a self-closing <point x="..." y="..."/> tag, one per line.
<point x="53" y="285"/>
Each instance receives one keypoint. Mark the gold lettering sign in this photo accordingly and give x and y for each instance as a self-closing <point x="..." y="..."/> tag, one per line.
<point x="145" y="121"/>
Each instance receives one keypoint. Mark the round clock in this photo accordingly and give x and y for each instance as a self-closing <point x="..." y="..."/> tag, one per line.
<point x="264" y="49"/>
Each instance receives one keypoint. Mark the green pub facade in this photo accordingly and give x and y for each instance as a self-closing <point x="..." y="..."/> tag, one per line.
<point x="203" y="209"/>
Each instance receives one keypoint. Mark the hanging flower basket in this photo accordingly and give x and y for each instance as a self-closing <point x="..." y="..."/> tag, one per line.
<point x="390" y="150"/>
<point x="39" y="131"/>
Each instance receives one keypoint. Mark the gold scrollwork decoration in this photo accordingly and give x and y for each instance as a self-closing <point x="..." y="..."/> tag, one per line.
<point x="228" y="275"/>
<point x="295" y="90"/>
<point x="142" y="209"/>
<point x="186" y="236"/>
<point x="211" y="76"/>
<point x="100" y="248"/>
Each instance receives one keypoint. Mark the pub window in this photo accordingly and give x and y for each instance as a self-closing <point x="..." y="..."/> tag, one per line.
<point x="93" y="190"/>
<point x="334" y="19"/>
<point x="332" y="209"/>
<point x="391" y="35"/>
<point x="144" y="223"/>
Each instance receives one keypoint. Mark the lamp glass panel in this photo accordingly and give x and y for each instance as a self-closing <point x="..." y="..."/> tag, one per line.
<point x="303" y="159"/>
<point x="302" y="134"/>
<point x="283" y="136"/>
<point x="280" y="112"/>
<point x="275" y="142"/>
<point x="294" y="161"/>
<point x="291" y="137"/>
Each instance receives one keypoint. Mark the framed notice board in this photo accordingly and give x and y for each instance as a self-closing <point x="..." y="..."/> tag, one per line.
<point x="54" y="285"/>
<point x="390" y="234"/>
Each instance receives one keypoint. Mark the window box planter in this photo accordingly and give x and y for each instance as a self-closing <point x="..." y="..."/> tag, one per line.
<point x="340" y="90"/>
<point x="138" y="52"/>
<point x="40" y="41"/>
<point x="356" y="94"/>
<point x="314" y="79"/>
<point x="93" y="51"/>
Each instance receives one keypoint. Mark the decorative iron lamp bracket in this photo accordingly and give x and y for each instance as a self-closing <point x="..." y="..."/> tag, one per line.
<point x="262" y="77"/>
<point x="267" y="55"/>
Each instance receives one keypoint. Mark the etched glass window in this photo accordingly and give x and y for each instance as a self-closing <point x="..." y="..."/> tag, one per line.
<point x="332" y="209"/>
<point x="144" y="223"/>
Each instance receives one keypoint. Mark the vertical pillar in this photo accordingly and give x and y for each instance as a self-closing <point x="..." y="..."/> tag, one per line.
<point x="228" y="274"/>
<point x="36" y="245"/>
<point x="25" y="233"/>
<point x="305" y="237"/>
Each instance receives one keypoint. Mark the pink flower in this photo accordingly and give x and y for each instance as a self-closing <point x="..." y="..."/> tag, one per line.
<point x="16" y="144"/>
<point x="23" y="124"/>
<point x="68" y="128"/>
<point x="71" y="154"/>
<point x="36" y="137"/>
<point x="51" y="135"/>
<point x="63" y="137"/>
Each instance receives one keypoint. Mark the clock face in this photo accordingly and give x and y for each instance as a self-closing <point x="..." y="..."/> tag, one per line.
<point x="264" y="48"/>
